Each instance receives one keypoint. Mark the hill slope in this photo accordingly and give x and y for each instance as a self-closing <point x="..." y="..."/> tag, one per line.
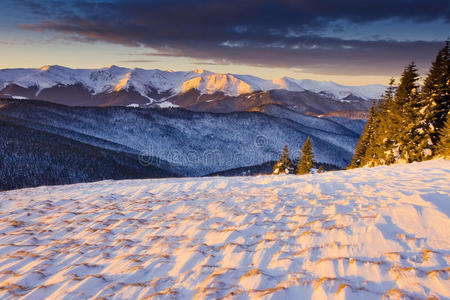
<point x="31" y="157"/>
<point x="359" y="234"/>
<point x="193" y="143"/>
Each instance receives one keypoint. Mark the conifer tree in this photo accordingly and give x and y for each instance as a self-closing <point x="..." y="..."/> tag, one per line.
<point x="433" y="107"/>
<point x="382" y="142"/>
<point x="444" y="141"/>
<point x="403" y="115"/>
<point x="365" y="143"/>
<point x="306" y="160"/>
<point x="284" y="165"/>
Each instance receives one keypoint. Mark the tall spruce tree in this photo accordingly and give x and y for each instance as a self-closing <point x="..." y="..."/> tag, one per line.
<point x="382" y="142"/>
<point x="284" y="165"/>
<point x="403" y="115"/>
<point x="365" y="142"/>
<point x="433" y="107"/>
<point x="306" y="160"/>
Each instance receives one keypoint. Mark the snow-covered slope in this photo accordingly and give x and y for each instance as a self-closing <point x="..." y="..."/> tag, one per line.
<point x="144" y="82"/>
<point x="359" y="234"/>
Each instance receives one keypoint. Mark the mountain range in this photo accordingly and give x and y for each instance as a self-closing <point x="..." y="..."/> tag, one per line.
<point x="117" y="86"/>
<point x="118" y="123"/>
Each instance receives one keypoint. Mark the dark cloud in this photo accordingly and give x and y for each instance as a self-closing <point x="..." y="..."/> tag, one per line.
<point x="319" y="55"/>
<point x="270" y="33"/>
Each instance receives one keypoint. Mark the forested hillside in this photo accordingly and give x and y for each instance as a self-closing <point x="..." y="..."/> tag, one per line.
<point x="30" y="157"/>
<point x="410" y="123"/>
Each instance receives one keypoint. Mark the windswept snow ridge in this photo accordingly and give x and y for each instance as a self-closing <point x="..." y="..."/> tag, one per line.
<point x="114" y="79"/>
<point x="359" y="234"/>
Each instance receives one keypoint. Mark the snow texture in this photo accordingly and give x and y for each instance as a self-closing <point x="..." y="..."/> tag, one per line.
<point x="115" y="78"/>
<point x="358" y="234"/>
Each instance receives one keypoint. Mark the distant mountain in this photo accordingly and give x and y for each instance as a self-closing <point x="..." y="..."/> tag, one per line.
<point x="116" y="86"/>
<point x="32" y="157"/>
<point x="303" y="102"/>
<point x="177" y="140"/>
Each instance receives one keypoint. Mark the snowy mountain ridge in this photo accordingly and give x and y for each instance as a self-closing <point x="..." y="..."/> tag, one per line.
<point x="114" y="79"/>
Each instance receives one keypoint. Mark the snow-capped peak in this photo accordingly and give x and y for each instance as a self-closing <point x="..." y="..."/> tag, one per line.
<point x="289" y="84"/>
<point x="199" y="71"/>
<point x="45" y="68"/>
<point x="225" y="83"/>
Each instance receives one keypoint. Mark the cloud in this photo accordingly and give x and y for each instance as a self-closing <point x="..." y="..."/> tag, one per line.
<point x="269" y="33"/>
<point x="212" y="63"/>
<point x="137" y="61"/>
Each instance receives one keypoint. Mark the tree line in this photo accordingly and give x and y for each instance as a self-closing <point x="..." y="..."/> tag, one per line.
<point x="409" y="123"/>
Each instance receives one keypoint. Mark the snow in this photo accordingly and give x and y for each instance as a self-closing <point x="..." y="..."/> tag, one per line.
<point x="116" y="78"/>
<point x="288" y="84"/>
<point x="167" y="104"/>
<point x="371" y="91"/>
<point x="358" y="234"/>
<point x="19" y="97"/>
<point x="134" y="105"/>
<point x="16" y="97"/>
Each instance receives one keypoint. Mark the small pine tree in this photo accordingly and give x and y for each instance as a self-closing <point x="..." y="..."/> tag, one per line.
<point x="444" y="142"/>
<point x="284" y="165"/>
<point x="306" y="160"/>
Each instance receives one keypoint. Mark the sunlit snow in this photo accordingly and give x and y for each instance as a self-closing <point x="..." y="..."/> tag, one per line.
<point x="358" y="234"/>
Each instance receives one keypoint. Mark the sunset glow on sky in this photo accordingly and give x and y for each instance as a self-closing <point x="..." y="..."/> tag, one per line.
<point x="358" y="42"/>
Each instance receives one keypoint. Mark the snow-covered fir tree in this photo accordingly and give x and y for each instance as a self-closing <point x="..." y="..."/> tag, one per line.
<point x="364" y="144"/>
<point x="406" y="108"/>
<point x="306" y="160"/>
<point x="284" y="165"/>
<point x="433" y="107"/>
<point x="382" y="141"/>
<point x="444" y="142"/>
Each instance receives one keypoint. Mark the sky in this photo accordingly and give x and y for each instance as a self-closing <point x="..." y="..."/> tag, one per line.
<point x="350" y="41"/>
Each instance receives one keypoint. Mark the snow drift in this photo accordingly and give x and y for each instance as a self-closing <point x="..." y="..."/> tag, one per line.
<point x="359" y="234"/>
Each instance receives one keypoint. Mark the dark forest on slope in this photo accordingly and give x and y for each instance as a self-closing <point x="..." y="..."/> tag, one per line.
<point x="32" y="157"/>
